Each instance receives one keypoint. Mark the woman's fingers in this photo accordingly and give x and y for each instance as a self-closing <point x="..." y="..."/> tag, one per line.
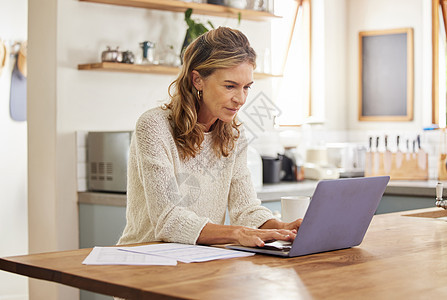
<point x="258" y="237"/>
<point x="284" y="235"/>
<point x="294" y="225"/>
<point x="259" y="242"/>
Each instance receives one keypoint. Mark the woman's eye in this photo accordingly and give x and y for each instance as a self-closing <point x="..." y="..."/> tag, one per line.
<point x="229" y="87"/>
<point x="247" y="88"/>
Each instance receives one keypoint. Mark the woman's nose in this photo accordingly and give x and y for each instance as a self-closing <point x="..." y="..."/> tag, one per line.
<point x="240" y="98"/>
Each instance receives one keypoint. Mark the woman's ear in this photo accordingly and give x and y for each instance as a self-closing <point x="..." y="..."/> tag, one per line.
<point x="197" y="80"/>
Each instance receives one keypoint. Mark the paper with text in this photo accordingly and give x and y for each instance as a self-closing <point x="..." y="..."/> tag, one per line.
<point x="186" y="253"/>
<point x="114" y="256"/>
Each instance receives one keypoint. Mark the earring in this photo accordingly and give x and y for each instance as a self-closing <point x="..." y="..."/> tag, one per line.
<point x="199" y="95"/>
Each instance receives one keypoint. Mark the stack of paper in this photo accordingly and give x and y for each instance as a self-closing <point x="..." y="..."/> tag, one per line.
<point x="115" y="256"/>
<point x="158" y="254"/>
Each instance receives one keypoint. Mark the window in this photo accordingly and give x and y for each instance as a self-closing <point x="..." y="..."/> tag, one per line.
<point x="291" y="53"/>
<point x="439" y="23"/>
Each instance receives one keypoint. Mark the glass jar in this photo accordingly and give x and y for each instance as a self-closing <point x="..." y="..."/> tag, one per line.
<point x="241" y="4"/>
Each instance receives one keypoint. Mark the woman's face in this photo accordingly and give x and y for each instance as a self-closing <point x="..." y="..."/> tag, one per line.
<point x="224" y="93"/>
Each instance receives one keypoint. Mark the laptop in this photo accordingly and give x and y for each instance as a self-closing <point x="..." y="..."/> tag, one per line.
<point x="338" y="216"/>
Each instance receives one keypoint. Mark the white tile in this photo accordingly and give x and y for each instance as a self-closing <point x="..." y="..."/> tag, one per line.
<point x="82" y="154"/>
<point x="81" y="138"/>
<point x="82" y="185"/>
<point x="82" y="170"/>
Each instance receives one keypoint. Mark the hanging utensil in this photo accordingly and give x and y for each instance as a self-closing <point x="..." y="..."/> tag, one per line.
<point x="17" y="101"/>
<point x="3" y="55"/>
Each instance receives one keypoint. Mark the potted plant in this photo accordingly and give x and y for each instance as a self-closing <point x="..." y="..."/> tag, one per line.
<point x="195" y="29"/>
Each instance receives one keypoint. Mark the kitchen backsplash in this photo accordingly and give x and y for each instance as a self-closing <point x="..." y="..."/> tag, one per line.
<point x="81" y="147"/>
<point x="430" y="142"/>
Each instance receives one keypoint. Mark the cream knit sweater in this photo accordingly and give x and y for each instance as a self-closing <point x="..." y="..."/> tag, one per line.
<point x="169" y="199"/>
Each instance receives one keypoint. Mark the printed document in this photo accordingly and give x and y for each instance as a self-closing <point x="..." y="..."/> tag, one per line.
<point x="115" y="256"/>
<point x="186" y="253"/>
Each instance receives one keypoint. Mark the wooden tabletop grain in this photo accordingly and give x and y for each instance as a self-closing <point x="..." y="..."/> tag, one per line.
<point x="401" y="257"/>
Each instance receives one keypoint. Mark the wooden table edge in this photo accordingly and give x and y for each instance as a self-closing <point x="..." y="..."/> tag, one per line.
<point x="76" y="281"/>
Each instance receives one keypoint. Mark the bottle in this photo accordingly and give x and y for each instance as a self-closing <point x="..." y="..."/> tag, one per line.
<point x="148" y="52"/>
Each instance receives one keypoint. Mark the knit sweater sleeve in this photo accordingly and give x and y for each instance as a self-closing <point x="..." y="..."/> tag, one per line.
<point x="244" y="207"/>
<point x="171" y="221"/>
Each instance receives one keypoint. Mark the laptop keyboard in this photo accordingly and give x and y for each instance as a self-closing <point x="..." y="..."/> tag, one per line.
<point x="278" y="246"/>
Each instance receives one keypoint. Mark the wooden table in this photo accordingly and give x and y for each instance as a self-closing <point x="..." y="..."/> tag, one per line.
<point x="400" y="257"/>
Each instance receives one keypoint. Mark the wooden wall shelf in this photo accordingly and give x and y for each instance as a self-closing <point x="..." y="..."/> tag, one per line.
<point x="130" y="68"/>
<point x="148" y="69"/>
<point x="198" y="8"/>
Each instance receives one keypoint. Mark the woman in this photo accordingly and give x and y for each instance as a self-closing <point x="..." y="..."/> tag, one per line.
<point x="187" y="161"/>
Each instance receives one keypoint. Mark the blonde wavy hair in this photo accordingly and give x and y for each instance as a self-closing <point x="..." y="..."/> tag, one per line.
<point x="220" y="48"/>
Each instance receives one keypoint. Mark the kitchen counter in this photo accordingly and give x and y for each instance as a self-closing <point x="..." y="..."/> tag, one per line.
<point x="401" y="257"/>
<point x="273" y="192"/>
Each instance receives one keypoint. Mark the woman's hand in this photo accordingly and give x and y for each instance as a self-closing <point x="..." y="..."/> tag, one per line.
<point x="276" y="224"/>
<point x="224" y="234"/>
<point x="292" y="225"/>
<point x="257" y="237"/>
<point x="271" y="230"/>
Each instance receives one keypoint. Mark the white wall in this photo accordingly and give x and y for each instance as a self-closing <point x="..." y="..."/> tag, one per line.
<point x="13" y="158"/>
<point x="382" y="14"/>
<point x="335" y="28"/>
<point x="329" y="59"/>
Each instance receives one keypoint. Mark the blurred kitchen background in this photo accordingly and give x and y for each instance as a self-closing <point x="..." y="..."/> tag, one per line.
<point x="311" y="90"/>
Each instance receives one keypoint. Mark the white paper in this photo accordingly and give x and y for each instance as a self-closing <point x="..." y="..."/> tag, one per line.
<point x="186" y="253"/>
<point x="114" y="256"/>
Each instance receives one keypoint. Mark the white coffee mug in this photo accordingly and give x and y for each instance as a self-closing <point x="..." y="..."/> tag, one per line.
<point x="294" y="207"/>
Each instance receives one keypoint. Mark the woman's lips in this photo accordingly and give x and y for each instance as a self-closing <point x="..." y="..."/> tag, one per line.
<point x="233" y="109"/>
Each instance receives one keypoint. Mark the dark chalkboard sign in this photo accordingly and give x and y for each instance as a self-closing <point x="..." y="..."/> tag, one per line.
<point x="386" y="75"/>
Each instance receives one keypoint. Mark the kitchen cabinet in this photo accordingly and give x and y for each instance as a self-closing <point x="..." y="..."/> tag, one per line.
<point x="388" y="204"/>
<point x="395" y="203"/>
<point x="174" y="6"/>
<point x="99" y="225"/>
<point x="274" y="206"/>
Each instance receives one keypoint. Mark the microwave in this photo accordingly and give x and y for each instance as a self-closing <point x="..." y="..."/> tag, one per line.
<point x="107" y="157"/>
